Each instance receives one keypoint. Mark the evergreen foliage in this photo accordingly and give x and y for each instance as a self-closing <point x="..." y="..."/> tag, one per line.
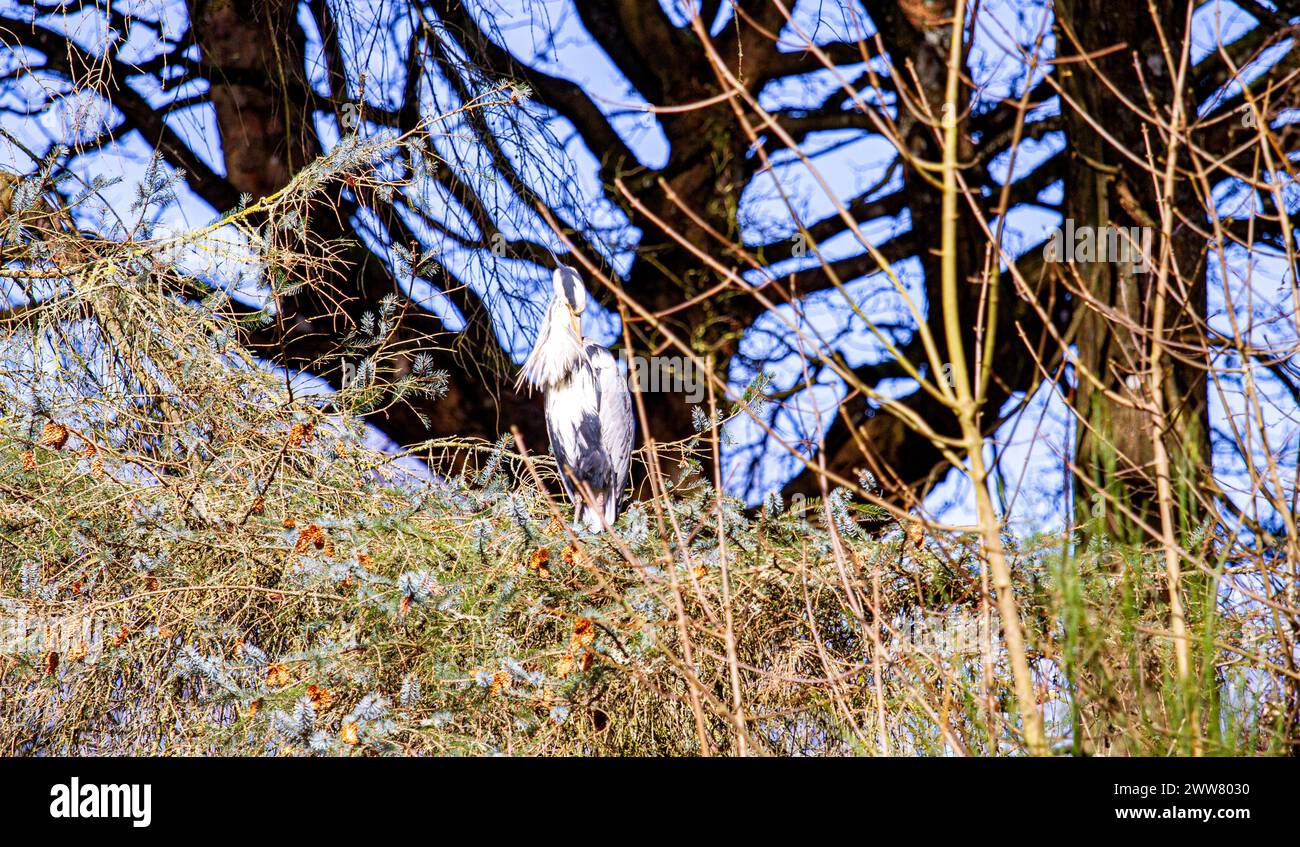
<point x="196" y="558"/>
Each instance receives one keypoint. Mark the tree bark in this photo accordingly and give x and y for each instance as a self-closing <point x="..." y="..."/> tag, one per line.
<point x="1104" y="189"/>
<point x="254" y="52"/>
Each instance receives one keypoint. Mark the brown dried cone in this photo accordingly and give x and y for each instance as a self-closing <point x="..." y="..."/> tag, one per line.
<point x="29" y="460"/>
<point x="54" y="435"/>
<point x="300" y="434"/>
<point x="584" y="633"/>
<point x="310" y="536"/>
<point x="539" y="562"/>
<point x="321" y="698"/>
<point x="97" y="469"/>
<point x="91" y="450"/>
<point x="565" y="666"/>
<point x="259" y="505"/>
<point x="277" y="676"/>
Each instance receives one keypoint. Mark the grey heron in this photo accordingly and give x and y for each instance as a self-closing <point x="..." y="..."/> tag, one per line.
<point x="588" y="406"/>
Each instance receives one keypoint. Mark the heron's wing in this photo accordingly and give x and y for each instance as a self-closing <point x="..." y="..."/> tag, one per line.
<point x="573" y="424"/>
<point x="617" y="426"/>
<point x="565" y="450"/>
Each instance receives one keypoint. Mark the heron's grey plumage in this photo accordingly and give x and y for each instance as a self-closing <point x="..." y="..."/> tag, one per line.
<point x="588" y="406"/>
<point x="617" y="426"/>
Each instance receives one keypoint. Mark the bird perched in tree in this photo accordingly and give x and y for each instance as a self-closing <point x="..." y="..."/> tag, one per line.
<point x="588" y="406"/>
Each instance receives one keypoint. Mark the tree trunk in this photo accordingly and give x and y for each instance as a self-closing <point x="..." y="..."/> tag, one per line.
<point x="1106" y="189"/>
<point x="263" y="105"/>
<point x="1115" y="293"/>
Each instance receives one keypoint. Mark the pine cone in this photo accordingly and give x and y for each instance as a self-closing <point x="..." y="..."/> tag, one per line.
<point x="54" y="435"/>
<point x="310" y="536"/>
<point x="539" y="562"/>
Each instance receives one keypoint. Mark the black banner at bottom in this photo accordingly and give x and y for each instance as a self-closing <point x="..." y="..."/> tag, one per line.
<point x="525" y="797"/>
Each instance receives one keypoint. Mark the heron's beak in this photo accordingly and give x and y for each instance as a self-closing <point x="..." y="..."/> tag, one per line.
<point x="575" y="321"/>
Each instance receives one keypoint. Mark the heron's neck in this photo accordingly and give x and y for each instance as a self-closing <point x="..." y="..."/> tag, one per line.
<point x="557" y="351"/>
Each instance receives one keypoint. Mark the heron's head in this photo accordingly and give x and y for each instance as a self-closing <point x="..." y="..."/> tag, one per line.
<point x="558" y="347"/>
<point x="570" y="291"/>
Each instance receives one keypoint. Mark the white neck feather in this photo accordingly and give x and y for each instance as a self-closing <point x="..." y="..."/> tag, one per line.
<point x="555" y="353"/>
